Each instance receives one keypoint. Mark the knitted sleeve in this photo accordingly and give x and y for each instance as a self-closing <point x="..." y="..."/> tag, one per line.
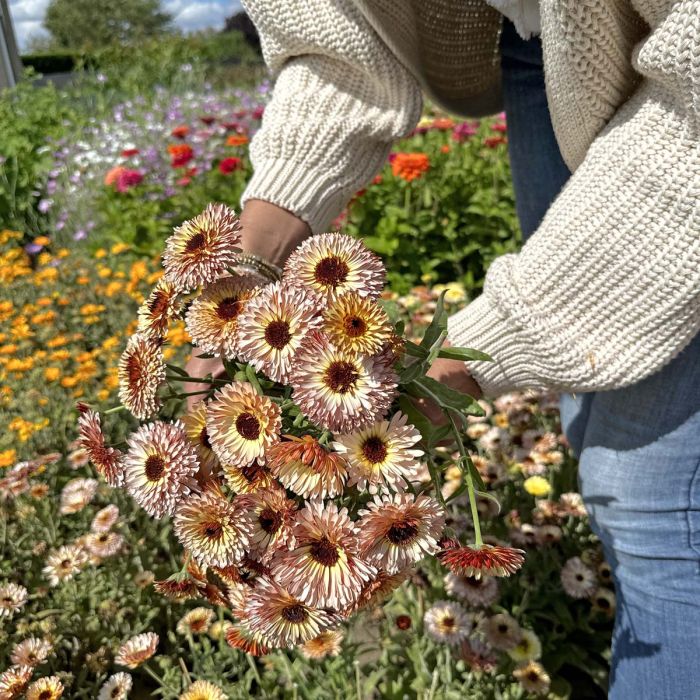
<point x="607" y="290"/>
<point x="340" y="99"/>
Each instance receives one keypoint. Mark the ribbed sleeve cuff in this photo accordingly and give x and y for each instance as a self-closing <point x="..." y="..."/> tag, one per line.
<point x="482" y="327"/>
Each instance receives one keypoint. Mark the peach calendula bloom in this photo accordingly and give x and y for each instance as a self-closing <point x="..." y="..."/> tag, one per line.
<point x="195" y="422"/>
<point x="326" y="644"/>
<point x="141" y="372"/>
<point x="410" y="166"/>
<point x="105" y="519"/>
<point x="577" y="579"/>
<point x="14" y="681"/>
<point x="283" y="619"/>
<point x="479" y="592"/>
<point x="157" y="311"/>
<point x="533" y="677"/>
<point x="215" y="530"/>
<point x="240" y="637"/>
<point x="160" y="467"/>
<point x="482" y="560"/>
<point x="203" y="248"/>
<point x="137" y="650"/>
<point x="203" y="690"/>
<point x="502" y="631"/>
<point x="64" y="563"/>
<point x="273" y="327"/>
<point x="307" y="468"/>
<point x="324" y="568"/>
<point x="107" y="460"/>
<point x="398" y="531"/>
<point x="49" y="688"/>
<point x="357" y="324"/>
<point x="378" y="589"/>
<point x="447" y="622"/>
<point x="333" y="264"/>
<point x="31" y="652"/>
<point x="273" y="517"/>
<point x="383" y="455"/>
<point x="340" y="391"/>
<point x="104" y="544"/>
<point x="213" y="319"/>
<point x="242" y="424"/>
<point x="116" y="687"/>
<point x="13" y="597"/>
<point x="195" y="621"/>
<point x="248" y="479"/>
<point x="178" y="588"/>
<point x="76" y="494"/>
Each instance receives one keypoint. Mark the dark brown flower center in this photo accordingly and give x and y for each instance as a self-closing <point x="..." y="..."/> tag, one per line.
<point x="204" y="438"/>
<point x="341" y="376"/>
<point x="295" y="613"/>
<point x="374" y="450"/>
<point x="133" y="369"/>
<point x="402" y="531"/>
<point x="474" y="582"/>
<point x="533" y="677"/>
<point x="65" y="564"/>
<point x="252" y="472"/>
<point x="448" y="622"/>
<point x="212" y="530"/>
<point x="7" y="600"/>
<point x="229" y="308"/>
<point x="248" y="426"/>
<point x="403" y="622"/>
<point x="324" y="552"/>
<point x="116" y="692"/>
<point x="503" y="629"/>
<point x="103" y="538"/>
<point x="354" y="326"/>
<point x="331" y="271"/>
<point x="45" y="695"/>
<point x="277" y="334"/>
<point x="155" y="467"/>
<point x="196" y="243"/>
<point x="603" y="603"/>
<point x="270" y="520"/>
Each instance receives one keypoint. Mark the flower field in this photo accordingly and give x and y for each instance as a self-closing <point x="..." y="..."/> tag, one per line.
<point x="100" y="600"/>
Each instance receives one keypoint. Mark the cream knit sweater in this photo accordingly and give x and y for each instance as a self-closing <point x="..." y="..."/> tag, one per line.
<point x="608" y="289"/>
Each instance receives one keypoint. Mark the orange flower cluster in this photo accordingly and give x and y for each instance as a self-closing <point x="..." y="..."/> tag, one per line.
<point x="410" y="166"/>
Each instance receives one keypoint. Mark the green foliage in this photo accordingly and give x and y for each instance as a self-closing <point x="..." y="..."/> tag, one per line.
<point x="88" y="24"/>
<point x="53" y="62"/>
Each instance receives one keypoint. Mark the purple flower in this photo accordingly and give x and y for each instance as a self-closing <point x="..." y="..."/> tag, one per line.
<point x="80" y="235"/>
<point x="45" y="205"/>
<point x="33" y="248"/>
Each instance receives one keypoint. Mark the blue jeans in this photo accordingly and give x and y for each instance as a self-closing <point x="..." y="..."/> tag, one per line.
<point x="639" y="447"/>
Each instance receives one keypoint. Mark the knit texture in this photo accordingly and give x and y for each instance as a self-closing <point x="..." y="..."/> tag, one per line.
<point x="608" y="289"/>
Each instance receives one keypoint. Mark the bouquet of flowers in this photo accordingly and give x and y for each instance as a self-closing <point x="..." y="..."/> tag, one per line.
<point x="303" y="485"/>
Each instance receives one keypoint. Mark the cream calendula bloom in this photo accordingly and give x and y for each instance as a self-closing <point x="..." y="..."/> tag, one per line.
<point x="137" y="650"/>
<point x="242" y="424"/>
<point x="529" y="648"/>
<point x="203" y="690"/>
<point x="533" y="677"/>
<point x="64" y="563"/>
<point x="195" y="621"/>
<point x="195" y="422"/>
<point x="158" y="310"/>
<point x="447" y="622"/>
<point x="49" y="688"/>
<point x="141" y="372"/>
<point x="214" y="317"/>
<point x="14" y="680"/>
<point x="116" y="687"/>
<point x="333" y="264"/>
<point x="105" y="519"/>
<point x="13" y="597"/>
<point x="326" y="644"/>
<point x="31" y="652"/>
<point x="76" y="494"/>
<point x="203" y="248"/>
<point x="382" y="455"/>
<point x="357" y="324"/>
<point x="273" y="327"/>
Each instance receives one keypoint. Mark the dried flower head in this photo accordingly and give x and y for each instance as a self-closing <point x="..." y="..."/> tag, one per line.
<point x="137" y="650"/>
<point x="141" y="372"/>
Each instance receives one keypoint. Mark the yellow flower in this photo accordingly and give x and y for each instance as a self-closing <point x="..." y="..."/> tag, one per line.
<point x="63" y="253"/>
<point x="51" y="374"/>
<point x="91" y="309"/>
<point x="42" y="240"/>
<point x="57" y="342"/>
<point x="43" y="301"/>
<point x="100" y="253"/>
<point x="10" y="349"/>
<point x="455" y="292"/>
<point x="8" y="457"/>
<point x="110" y="343"/>
<point x="120" y="248"/>
<point x="104" y="272"/>
<point x="537" y="486"/>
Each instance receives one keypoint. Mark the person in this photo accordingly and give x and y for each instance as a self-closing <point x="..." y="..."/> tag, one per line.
<point x="602" y="303"/>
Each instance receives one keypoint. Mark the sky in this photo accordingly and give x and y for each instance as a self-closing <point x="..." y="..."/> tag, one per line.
<point x="189" y="15"/>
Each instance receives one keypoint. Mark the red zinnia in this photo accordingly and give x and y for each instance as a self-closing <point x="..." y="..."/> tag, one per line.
<point x="207" y="119"/>
<point x="128" y="152"/>
<point x="180" y="154"/>
<point x="493" y="141"/>
<point x="258" y="112"/>
<point x="127" y="179"/>
<point x="409" y="166"/>
<point x="237" y="140"/>
<point x="179" y="132"/>
<point x="499" y="126"/>
<point x="229" y="165"/>
<point x="481" y="560"/>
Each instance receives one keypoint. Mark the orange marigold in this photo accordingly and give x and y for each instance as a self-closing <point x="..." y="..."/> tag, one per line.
<point x="410" y="166"/>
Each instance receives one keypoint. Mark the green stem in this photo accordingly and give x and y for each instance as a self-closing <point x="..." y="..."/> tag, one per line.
<point x="195" y="380"/>
<point x="116" y="409"/>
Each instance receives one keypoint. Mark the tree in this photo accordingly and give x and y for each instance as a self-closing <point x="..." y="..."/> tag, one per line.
<point x="240" y="22"/>
<point x="91" y="24"/>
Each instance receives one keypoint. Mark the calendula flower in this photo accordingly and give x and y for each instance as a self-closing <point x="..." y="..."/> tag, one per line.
<point x="13" y="597"/>
<point x="242" y="424"/>
<point x="398" y="531"/>
<point x="447" y="622"/>
<point x="307" y="468"/>
<point x="273" y="326"/>
<point x="141" y="372"/>
<point x="195" y="621"/>
<point x="14" y="681"/>
<point x="63" y="563"/>
<point x="533" y="678"/>
<point x="502" y="631"/>
<point x="116" y="687"/>
<point x="479" y="592"/>
<point x="137" y="650"/>
<point x="214" y="317"/>
<point x="537" y="486"/>
<point x="215" y="530"/>
<point x="158" y="310"/>
<point x="604" y="602"/>
<point x="528" y="648"/>
<point x="107" y="460"/>
<point x="333" y="264"/>
<point x="357" y="324"/>
<point x="31" y="652"/>
<point x="203" y="690"/>
<point x="105" y="519"/>
<point x="160" y="467"/>
<point x="483" y="560"/>
<point x="340" y="391"/>
<point x="382" y="455"/>
<point x="378" y="589"/>
<point x="49" y="688"/>
<point x="240" y="637"/>
<point x="178" y="588"/>
<point x="104" y="544"/>
<point x="203" y="248"/>
<point x="548" y="534"/>
<point x="326" y="644"/>
<point x="409" y="166"/>
<point x="195" y="422"/>
<point x="76" y="494"/>
<point x="323" y="569"/>
<point x="249" y="479"/>
<point x="273" y="516"/>
<point x="283" y="619"/>
<point x="577" y="579"/>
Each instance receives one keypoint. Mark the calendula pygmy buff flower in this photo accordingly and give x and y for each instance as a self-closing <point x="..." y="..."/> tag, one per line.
<point x="502" y="631"/>
<point x="107" y="460"/>
<point x="105" y="519"/>
<point x="533" y="677"/>
<point x="202" y="249"/>
<point x="326" y="644"/>
<point x="203" y="690"/>
<point x="528" y="648"/>
<point x="240" y="637"/>
<point x="273" y="516"/>
<point x="483" y="560"/>
<point x="76" y="494"/>
<point x="577" y="579"/>
<point x="116" y="687"/>
<point x="158" y="310"/>
<point x="14" y="681"/>
<point x="104" y="544"/>
<point x="137" y="650"/>
<point x="31" y="652"/>
<point x="141" y="372"/>
<point x="479" y="592"/>
<point x="63" y="563"/>
<point x="447" y="622"/>
<point x="195" y="621"/>
<point x="195" y="422"/>
<point x="13" y="597"/>
<point x="49" y="688"/>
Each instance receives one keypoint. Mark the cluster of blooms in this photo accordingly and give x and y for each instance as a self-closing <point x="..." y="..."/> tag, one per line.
<point x="163" y="141"/>
<point x="297" y="495"/>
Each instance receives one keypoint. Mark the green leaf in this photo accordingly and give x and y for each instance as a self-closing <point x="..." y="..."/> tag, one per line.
<point x="438" y="325"/>
<point x="413" y="371"/>
<point x="490" y="497"/>
<point x="424" y="426"/>
<point x="415" y="350"/>
<point x="429" y="388"/>
<point x="465" y="354"/>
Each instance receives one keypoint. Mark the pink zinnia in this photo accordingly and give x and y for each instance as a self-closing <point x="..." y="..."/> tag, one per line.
<point x="127" y="179"/>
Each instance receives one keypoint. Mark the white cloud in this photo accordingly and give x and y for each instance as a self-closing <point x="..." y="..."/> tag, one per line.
<point x="188" y="15"/>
